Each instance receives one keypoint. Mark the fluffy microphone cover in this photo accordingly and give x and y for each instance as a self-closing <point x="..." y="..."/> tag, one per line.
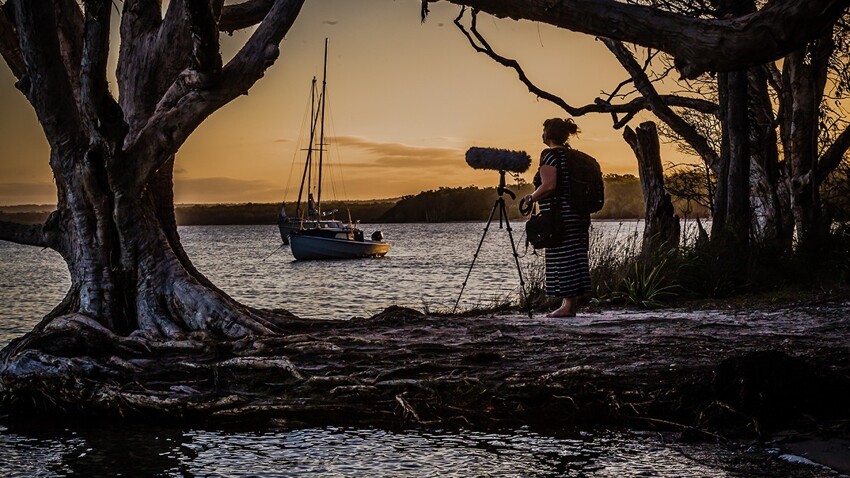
<point x="498" y="159"/>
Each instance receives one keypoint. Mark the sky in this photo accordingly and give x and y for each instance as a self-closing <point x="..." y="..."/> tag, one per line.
<point x="405" y="101"/>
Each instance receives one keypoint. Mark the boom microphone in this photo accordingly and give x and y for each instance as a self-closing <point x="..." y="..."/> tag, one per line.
<point x="498" y="159"/>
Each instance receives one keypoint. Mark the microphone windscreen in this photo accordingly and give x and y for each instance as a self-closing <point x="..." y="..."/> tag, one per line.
<point x="498" y="159"/>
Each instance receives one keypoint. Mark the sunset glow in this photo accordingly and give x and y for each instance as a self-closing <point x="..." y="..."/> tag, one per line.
<point x="406" y="100"/>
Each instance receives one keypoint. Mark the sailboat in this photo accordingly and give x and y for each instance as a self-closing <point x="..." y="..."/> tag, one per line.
<point x="313" y="233"/>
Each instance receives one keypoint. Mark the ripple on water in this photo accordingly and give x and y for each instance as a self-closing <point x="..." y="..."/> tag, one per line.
<point x="134" y="450"/>
<point x="426" y="265"/>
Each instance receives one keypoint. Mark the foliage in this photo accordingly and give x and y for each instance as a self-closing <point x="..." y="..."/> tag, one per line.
<point x="691" y="188"/>
<point x="835" y="194"/>
<point x="646" y="287"/>
<point x="451" y="204"/>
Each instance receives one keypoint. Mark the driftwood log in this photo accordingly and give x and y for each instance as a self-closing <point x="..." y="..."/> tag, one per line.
<point x="706" y="373"/>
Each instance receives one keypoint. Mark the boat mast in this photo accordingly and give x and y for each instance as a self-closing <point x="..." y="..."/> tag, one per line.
<point x="308" y="162"/>
<point x="323" y="100"/>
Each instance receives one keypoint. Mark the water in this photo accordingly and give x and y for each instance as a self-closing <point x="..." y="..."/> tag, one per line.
<point x="131" y="450"/>
<point x="427" y="265"/>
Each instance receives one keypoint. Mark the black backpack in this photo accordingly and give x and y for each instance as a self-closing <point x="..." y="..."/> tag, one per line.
<point x="586" y="188"/>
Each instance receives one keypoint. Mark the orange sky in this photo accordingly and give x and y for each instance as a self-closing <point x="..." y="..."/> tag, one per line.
<point x="406" y="100"/>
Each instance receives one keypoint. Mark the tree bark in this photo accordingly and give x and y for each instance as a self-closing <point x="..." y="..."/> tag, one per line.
<point x="661" y="231"/>
<point x="113" y="162"/>
<point x="804" y="78"/>
<point x="732" y="231"/>
<point x="738" y="136"/>
<point x="772" y="229"/>
<point x="698" y="44"/>
<point x="730" y="227"/>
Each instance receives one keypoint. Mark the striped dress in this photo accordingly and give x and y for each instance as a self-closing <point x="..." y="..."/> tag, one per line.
<point x="567" y="270"/>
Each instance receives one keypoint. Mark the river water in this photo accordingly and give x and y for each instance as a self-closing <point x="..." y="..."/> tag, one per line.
<point x="425" y="269"/>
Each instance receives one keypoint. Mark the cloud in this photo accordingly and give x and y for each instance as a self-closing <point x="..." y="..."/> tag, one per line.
<point x="397" y="155"/>
<point x="330" y="22"/>
<point x="282" y="140"/>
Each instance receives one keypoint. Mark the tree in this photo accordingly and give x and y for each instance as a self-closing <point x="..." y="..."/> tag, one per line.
<point x="113" y="160"/>
<point x="698" y="44"/>
<point x="769" y="182"/>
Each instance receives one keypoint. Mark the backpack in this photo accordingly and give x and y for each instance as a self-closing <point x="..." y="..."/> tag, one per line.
<point x="587" y="190"/>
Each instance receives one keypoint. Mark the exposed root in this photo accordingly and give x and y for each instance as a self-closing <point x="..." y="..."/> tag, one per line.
<point x="403" y="367"/>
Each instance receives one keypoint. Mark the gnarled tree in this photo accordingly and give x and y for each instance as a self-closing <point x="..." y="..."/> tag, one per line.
<point x="112" y="160"/>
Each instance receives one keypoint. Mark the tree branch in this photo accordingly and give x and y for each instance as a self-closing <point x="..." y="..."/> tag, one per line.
<point x="9" y="47"/>
<point x="833" y="156"/>
<point x="599" y="106"/>
<point x="698" y="44"/>
<point x="243" y="15"/>
<point x="137" y="59"/>
<point x="206" y="58"/>
<point x="657" y="105"/>
<point x="94" y="88"/>
<point x="71" y="32"/>
<point x="189" y="100"/>
<point x="45" y="82"/>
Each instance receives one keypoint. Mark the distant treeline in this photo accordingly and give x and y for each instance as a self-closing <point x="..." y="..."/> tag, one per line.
<point x="28" y="217"/>
<point x="452" y="204"/>
<point x="623" y="200"/>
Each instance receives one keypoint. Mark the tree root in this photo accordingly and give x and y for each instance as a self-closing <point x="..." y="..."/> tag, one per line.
<point x="401" y="367"/>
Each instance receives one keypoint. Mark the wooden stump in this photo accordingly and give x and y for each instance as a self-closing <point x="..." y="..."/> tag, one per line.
<point x="662" y="225"/>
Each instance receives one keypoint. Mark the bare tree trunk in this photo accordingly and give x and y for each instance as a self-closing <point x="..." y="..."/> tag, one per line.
<point x="771" y="227"/>
<point x="732" y="230"/>
<point x="113" y="162"/>
<point x="738" y="136"/>
<point x="662" y="225"/>
<point x="128" y="275"/>
<point x="731" y="215"/>
<point x="804" y="78"/>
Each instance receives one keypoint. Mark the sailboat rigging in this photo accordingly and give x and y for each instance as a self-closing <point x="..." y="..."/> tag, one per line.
<point x="309" y="234"/>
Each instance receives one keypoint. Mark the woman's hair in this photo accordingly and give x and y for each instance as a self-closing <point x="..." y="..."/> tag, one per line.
<point x="559" y="130"/>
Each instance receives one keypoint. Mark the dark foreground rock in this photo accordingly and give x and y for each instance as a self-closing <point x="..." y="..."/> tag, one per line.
<point x="706" y="373"/>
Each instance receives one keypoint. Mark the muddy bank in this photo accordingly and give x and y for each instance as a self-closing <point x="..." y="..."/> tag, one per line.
<point x="708" y="374"/>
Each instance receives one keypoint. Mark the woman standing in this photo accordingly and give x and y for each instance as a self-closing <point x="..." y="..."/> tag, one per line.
<point x="567" y="270"/>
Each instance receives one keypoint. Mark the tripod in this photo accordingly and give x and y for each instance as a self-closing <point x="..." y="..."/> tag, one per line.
<point x="499" y="204"/>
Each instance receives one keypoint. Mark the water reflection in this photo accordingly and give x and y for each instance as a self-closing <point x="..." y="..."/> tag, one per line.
<point x="135" y="450"/>
<point x="40" y="449"/>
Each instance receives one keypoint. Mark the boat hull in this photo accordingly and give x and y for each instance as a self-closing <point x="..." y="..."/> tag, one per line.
<point x="289" y="226"/>
<point x="311" y="248"/>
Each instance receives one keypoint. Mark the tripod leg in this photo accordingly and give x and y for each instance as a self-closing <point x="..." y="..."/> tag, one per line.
<point x="516" y="259"/>
<point x="480" y="243"/>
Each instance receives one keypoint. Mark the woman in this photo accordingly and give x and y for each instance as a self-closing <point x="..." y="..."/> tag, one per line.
<point x="567" y="271"/>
